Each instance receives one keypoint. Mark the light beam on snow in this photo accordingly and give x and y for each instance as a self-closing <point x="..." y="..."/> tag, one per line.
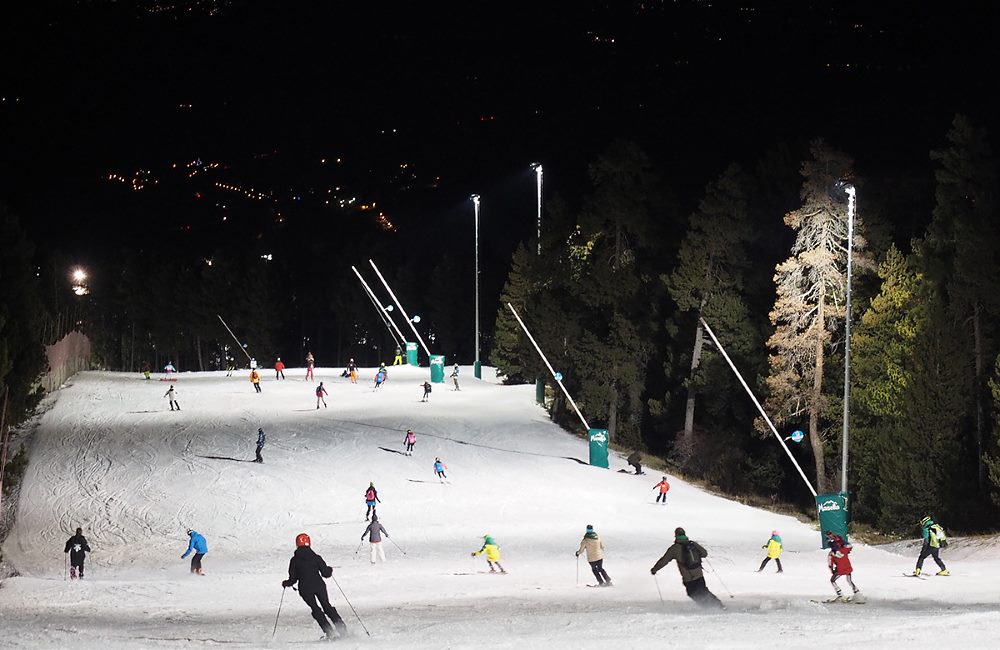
<point x="383" y="314"/>
<point x="554" y="377"/>
<point x="759" y="407"/>
<point x="400" y="305"/>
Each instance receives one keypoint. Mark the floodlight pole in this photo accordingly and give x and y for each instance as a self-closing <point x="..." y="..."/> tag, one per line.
<point x="549" y="365"/>
<point x="539" y="384"/>
<point x="851" y="207"/>
<point x="477" y="366"/>
<point x="402" y="311"/>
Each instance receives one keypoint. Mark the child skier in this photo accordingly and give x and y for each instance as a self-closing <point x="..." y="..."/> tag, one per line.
<point x="310" y="362"/>
<point x="200" y="547"/>
<point x="409" y="441"/>
<point x="255" y="379"/>
<point x="171" y="395"/>
<point x="439" y="469"/>
<point x="594" y="547"/>
<point x="840" y="565"/>
<point x="308" y="569"/>
<point x="375" y="531"/>
<point x="77" y="548"/>
<point x="145" y="369"/>
<point x="261" y="438"/>
<point x="320" y="392"/>
<point x="352" y="368"/>
<point x="385" y="373"/>
<point x="492" y="554"/>
<point x="664" y="488"/>
<point x="253" y="363"/>
<point x="454" y="377"/>
<point x="774" y="549"/>
<point x="169" y="368"/>
<point x="371" y="499"/>
<point x="934" y="541"/>
<point x="379" y="378"/>
<point x="427" y="390"/>
<point x="279" y="369"/>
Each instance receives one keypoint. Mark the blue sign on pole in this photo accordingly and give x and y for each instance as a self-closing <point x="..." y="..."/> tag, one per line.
<point x="558" y="376"/>
<point x="797" y="436"/>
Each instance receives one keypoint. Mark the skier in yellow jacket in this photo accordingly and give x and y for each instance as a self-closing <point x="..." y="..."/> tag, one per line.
<point x="492" y="551"/>
<point x="774" y="549"/>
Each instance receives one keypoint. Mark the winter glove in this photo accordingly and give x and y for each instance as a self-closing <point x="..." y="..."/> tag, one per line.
<point x="472" y="554"/>
<point x="578" y="553"/>
<point x="653" y="571"/>
<point x="286" y="584"/>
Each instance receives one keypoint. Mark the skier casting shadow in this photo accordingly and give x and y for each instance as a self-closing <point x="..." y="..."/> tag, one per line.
<point x="308" y="569"/>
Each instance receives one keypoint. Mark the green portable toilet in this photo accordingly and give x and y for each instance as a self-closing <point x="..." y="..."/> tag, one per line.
<point x="437" y="368"/>
<point x="411" y="353"/>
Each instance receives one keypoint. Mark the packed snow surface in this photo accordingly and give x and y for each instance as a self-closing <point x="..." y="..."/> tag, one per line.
<point x="111" y="457"/>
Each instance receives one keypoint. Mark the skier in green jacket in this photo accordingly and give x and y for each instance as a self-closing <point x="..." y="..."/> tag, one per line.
<point x="934" y="541"/>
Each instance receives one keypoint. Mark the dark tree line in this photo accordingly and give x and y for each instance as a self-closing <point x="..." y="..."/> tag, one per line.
<point x="616" y="296"/>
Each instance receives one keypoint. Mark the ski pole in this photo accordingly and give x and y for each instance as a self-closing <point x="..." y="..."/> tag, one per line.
<point x="358" y="548"/>
<point x="66" y="572"/>
<point x="334" y="578"/>
<point x="396" y="545"/>
<point x="660" y="593"/>
<point x="578" y="570"/>
<point x="279" y="613"/>
<point x="719" y="577"/>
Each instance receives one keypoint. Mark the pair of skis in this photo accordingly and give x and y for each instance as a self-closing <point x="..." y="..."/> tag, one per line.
<point x="846" y="600"/>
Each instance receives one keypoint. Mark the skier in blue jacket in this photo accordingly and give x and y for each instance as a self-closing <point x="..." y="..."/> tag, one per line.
<point x="200" y="547"/>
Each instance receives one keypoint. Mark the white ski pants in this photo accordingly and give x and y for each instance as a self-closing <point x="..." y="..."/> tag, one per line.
<point x="377" y="548"/>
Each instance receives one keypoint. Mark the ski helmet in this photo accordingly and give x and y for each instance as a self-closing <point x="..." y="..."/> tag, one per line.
<point x="926" y="521"/>
<point x="302" y="540"/>
<point x="188" y="531"/>
<point x="774" y="533"/>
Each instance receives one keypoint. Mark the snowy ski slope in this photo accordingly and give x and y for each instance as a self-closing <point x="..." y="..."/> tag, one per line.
<point x="109" y="456"/>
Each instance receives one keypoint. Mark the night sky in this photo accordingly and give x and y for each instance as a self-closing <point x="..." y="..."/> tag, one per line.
<point x="157" y="124"/>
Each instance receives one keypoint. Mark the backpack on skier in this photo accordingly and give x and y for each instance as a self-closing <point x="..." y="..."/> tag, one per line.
<point x="938" y="532"/>
<point x="690" y="557"/>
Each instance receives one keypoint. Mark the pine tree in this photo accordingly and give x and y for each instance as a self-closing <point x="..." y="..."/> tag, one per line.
<point x="512" y="353"/>
<point x="993" y="460"/>
<point x="708" y="279"/>
<point x="962" y="248"/>
<point x="809" y="307"/>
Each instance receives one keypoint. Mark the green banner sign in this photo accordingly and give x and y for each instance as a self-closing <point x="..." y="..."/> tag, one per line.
<point x="411" y="353"/>
<point x="833" y="515"/>
<point x="437" y="368"/>
<point x="599" y="448"/>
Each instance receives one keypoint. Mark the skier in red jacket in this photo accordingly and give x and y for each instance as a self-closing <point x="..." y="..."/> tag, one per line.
<point x="840" y="565"/>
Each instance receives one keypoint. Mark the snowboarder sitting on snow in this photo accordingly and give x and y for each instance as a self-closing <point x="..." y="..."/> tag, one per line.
<point x="77" y="548"/>
<point x="635" y="460"/>
<point x="171" y="395"/>
<point x="261" y="438"/>
<point x="200" y="547"/>
<point x="409" y="441"/>
<point x="427" y="390"/>
<point x="492" y="554"/>
<point x="664" y="488"/>
<point x="839" y="563"/>
<point x="688" y="554"/>
<point x="774" y="549"/>
<point x="375" y="531"/>
<point x="934" y="541"/>
<point x="594" y="547"/>
<point x="371" y="498"/>
<point x="308" y="569"/>
<point x="439" y="469"/>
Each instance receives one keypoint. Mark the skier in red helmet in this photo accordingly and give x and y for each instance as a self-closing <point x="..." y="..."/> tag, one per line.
<point x="308" y="569"/>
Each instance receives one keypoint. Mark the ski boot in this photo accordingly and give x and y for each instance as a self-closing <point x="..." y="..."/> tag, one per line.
<point x="942" y="572"/>
<point x="72" y="573"/>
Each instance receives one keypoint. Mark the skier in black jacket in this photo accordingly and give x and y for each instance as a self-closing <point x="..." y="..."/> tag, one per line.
<point x="77" y="548"/>
<point x="308" y="569"/>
